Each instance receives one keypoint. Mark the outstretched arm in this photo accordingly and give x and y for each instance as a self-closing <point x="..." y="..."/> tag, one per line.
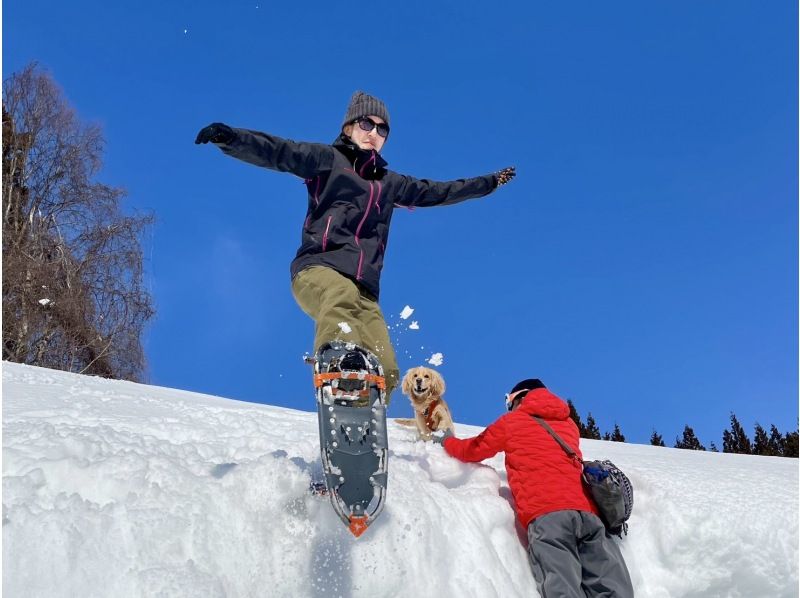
<point x="305" y="160"/>
<point x="483" y="446"/>
<point x="425" y="193"/>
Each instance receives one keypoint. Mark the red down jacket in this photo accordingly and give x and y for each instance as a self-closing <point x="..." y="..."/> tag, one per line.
<point x="542" y="477"/>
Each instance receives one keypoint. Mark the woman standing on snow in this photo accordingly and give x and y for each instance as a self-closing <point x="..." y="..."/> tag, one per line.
<point x="351" y="196"/>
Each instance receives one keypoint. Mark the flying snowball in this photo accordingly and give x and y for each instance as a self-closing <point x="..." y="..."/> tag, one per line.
<point x="436" y="359"/>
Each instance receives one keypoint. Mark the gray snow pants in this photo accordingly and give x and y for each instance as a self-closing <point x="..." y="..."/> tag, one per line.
<point x="572" y="555"/>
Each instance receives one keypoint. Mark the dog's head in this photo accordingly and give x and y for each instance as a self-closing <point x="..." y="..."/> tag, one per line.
<point x="422" y="384"/>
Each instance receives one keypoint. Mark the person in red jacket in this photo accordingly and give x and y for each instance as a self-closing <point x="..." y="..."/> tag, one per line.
<point x="569" y="549"/>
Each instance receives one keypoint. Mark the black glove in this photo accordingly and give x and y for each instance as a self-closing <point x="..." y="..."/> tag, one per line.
<point x="505" y="175"/>
<point x="448" y="433"/>
<point x="215" y="133"/>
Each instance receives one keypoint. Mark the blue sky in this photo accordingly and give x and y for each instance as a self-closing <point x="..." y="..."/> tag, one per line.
<point x="643" y="263"/>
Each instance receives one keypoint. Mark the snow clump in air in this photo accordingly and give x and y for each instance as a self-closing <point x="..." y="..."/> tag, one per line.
<point x="436" y="359"/>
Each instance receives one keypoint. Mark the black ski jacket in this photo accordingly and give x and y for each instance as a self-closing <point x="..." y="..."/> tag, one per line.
<point x="351" y="196"/>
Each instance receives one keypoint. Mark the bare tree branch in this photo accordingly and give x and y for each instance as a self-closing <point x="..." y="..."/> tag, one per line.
<point x="73" y="296"/>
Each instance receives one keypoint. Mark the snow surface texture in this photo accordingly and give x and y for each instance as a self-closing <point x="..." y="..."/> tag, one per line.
<point x="117" y="489"/>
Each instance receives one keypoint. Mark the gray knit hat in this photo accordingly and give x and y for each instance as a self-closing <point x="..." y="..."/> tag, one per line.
<point x="362" y="104"/>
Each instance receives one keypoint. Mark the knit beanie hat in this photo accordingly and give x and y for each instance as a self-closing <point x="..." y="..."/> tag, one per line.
<point x="529" y="384"/>
<point x="362" y="104"/>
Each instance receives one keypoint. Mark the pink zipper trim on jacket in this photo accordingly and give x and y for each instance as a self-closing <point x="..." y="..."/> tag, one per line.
<point x="316" y="191"/>
<point x="308" y="182"/>
<point x="378" y="199"/>
<point x="360" y="263"/>
<point x="371" y="159"/>
<point x="325" y="236"/>
<point x="358" y="231"/>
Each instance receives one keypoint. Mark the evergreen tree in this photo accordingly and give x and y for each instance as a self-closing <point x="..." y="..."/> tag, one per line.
<point x="689" y="441"/>
<point x="607" y="436"/>
<point x="616" y="435"/>
<point x="591" y="430"/>
<point x="735" y="440"/>
<point x="790" y="444"/>
<point x="727" y="442"/>
<point x="761" y="444"/>
<point x="713" y="447"/>
<point x="776" y="441"/>
<point x="573" y="413"/>
<point x="656" y="440"/>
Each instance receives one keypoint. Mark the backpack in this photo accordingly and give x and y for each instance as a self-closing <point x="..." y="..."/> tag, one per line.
<point x="611" y="489"/>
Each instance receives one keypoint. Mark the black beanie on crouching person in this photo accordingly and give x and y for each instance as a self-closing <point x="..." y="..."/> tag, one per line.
<point x="362" y="104"/>
<point x="529" y="384"/>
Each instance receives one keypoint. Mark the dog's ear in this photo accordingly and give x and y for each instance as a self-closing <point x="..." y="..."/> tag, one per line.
<point x="437" y="383"/>
<point x="408" y="382"/>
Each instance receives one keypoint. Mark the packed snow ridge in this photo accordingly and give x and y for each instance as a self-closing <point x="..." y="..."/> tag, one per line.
<point x="118" y="489"/>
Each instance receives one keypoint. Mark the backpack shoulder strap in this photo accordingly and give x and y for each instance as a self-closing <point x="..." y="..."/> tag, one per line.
<point x="567" y="448"/>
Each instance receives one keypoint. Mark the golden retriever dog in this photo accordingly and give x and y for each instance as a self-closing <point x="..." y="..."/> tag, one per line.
<point x="425" y="388"/>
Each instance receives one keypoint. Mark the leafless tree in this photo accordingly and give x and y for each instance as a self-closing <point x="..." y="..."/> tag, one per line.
<point x="73" y="297"/>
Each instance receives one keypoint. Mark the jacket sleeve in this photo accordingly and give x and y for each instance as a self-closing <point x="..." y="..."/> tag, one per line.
<point x="483" y="446"/>
<point x="424" y="193"/>
<point x="305" y="160"/>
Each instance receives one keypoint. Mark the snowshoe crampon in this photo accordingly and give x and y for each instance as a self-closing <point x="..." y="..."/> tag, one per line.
<point x="351" y="406"/>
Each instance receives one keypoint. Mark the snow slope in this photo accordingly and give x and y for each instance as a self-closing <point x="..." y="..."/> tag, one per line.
<point x="118" y="489"/>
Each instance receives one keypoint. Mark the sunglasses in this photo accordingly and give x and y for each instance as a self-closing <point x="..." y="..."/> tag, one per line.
<point x="367" y="124"/>
<point x="511" y="397"/>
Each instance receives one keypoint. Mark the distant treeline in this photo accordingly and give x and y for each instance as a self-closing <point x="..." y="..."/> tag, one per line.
<point x="734" y="438"/>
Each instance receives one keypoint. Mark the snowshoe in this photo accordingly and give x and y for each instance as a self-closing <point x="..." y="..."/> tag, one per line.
<point x="351" y="406"/>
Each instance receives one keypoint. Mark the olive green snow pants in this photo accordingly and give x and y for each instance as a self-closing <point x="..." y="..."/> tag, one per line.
<point x="343" y="311"/>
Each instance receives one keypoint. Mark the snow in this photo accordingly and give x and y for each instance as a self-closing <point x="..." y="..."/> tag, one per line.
<point x="345" y="327"/>
<point x="414" y="325"/>
<point x="118" y="489"/>
<point x="436" y="359"/>
<point x="407" y="311"/>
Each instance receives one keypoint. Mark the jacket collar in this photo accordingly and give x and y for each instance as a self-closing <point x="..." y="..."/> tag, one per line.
<point x="369" y="164"/>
